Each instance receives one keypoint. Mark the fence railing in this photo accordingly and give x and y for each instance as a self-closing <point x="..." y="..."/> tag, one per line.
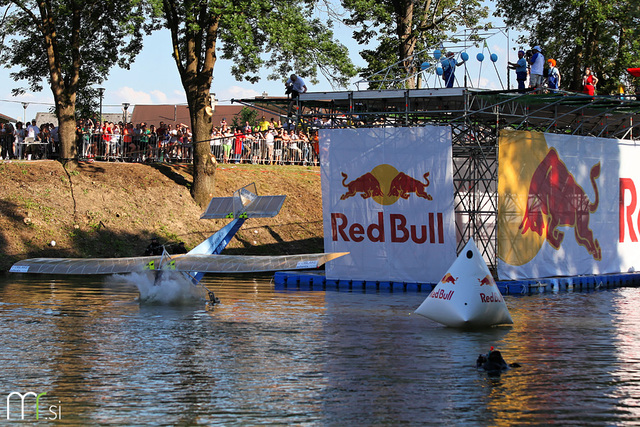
<point x="141" y="148"/>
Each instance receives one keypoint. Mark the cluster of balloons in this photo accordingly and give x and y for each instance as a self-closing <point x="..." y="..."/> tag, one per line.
<point x="437" y="54"/>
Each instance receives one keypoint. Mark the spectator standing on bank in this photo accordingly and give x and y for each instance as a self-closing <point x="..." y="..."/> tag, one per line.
<point x="237" y="148"/>
<point x="33" y="130"/>
<point x="589" y="82"/>
<point x="269" y="141"/>
<point x="537" y="68"/>
<point x="520" y="66"/>
<point x="19" y="134"/>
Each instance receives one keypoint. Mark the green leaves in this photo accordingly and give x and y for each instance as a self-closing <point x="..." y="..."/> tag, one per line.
<point x="402" y="27"/>
<point x="602" y="34"/>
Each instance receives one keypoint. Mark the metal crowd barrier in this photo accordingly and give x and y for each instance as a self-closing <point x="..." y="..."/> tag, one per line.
<point x="29" y="149"/>
<point x="138" y="148"/>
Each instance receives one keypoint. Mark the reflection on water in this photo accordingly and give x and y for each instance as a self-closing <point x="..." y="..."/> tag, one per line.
<point x="276" y="357"/>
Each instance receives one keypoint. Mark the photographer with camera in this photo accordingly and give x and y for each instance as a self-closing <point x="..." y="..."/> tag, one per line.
<point x="536" y="60"/>
<point x="295" y="86"/>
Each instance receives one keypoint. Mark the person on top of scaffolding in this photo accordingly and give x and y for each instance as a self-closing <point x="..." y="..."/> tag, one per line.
<point x="521" y="70"/>
<point x="449" y="65"/>
<point x="536" y="60"/>
<point x="294" y="86"/>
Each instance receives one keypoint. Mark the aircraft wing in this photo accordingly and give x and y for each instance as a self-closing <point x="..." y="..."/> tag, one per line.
<point x="191" y="263"/>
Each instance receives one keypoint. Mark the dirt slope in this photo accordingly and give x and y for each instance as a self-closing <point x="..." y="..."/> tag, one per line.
<point x="113" y="209"/>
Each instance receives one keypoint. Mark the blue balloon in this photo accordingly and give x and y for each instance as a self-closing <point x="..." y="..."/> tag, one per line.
<point x="480" y="57"/>
<point x="424" y="65"/>
<point x="464" y="56"/>
<point x="437" y="54"/>
<point x="494" y="57"/>
<point x="439" y="71"/>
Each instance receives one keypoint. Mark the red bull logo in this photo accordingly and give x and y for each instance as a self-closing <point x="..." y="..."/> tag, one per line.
<point x="486" y="280"/>
<point x="403" y="185"/>
<point x="448" y="278"/>
<point x="385" y="184"/>
<point x="367" y="185"/>
<point x="556" y="200"/>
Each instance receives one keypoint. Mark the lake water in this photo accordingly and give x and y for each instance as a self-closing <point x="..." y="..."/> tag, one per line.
<point x="265" y="356"/>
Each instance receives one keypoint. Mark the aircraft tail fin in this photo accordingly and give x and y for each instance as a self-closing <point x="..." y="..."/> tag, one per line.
<point x="245" y="203"/>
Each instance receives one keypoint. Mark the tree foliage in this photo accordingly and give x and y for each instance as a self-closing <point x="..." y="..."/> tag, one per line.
<point x="282" y="35"/>
<point x="246" y="115"/>
<point x="601" y="34"/>
<point x="70" y="45"/>
<point x="402" y="27"/>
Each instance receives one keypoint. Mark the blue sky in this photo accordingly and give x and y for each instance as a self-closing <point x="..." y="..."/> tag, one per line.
<point x="153" y="78"/>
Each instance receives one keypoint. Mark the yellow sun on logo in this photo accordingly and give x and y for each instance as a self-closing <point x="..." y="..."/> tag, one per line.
<point x="520" y="153"/>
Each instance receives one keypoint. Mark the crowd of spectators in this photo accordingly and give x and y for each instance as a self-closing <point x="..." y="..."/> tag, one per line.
<point x="265" y="142"/>
<point x="28" y="141"/>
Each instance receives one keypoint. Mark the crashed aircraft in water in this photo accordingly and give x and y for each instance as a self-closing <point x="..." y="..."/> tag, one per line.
<point x="204" y="258"/>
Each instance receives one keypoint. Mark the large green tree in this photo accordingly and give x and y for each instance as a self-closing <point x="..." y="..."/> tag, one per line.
<point x="283" y="35"/>
<point x="601" y="34"/>
<point x="70" y="44"/>
<point x="402" y="27"/>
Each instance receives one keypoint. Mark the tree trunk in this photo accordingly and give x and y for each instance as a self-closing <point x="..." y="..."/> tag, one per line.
<point x="406" y="47"/>
<point x="204" y="163"/>
<point x="67" y="133"/>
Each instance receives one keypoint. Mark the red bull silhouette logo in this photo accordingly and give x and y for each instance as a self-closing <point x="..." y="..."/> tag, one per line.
<point x="448" y="278"/>
<point x="385" y="177"/>
<point x="486" y="280"/>
<point x="403" y="185"/>
<point x="555" y="196"/>
<point x="367" y="185"/>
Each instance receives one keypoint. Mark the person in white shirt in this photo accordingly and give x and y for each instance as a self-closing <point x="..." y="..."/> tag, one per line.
<point x="537" y="67"/>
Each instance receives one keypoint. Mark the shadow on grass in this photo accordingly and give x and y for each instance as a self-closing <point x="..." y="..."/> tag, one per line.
<point x="170" y="173"/>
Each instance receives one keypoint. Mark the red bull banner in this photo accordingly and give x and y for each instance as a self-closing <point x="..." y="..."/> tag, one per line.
<point x="387" y="196"/>
<point x="567" y="205"/>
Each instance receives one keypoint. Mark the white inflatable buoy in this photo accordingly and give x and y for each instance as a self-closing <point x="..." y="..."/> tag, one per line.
<point x="467" y="295"/>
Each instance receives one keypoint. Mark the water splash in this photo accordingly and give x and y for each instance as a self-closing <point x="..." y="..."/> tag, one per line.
<point x="168" y="289"/>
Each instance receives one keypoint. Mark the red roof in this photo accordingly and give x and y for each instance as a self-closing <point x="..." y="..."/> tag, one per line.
<point x="176" y="114"/>
<point x="5" y="119"/>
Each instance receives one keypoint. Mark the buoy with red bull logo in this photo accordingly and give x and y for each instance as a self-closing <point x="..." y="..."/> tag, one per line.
<point x="467" y="295"/>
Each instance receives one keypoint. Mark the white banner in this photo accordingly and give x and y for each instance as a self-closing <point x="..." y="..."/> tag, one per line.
<point x="568" y="205"/>
<point x="387" y="196"/>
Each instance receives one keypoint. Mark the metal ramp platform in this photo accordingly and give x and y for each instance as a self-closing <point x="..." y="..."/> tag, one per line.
<point x="476" y="117"/>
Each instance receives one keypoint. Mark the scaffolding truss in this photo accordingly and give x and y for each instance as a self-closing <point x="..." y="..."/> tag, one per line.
<point x="476" y="117"/>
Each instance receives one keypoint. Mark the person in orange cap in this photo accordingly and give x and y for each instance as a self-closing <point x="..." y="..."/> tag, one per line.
<point x="553" y="79"/>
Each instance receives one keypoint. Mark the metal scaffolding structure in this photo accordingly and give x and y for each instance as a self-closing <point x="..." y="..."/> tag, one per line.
<point x="476" y="117"/>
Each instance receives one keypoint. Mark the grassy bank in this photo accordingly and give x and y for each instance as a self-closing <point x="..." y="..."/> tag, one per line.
<point x="114" y="209"/>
